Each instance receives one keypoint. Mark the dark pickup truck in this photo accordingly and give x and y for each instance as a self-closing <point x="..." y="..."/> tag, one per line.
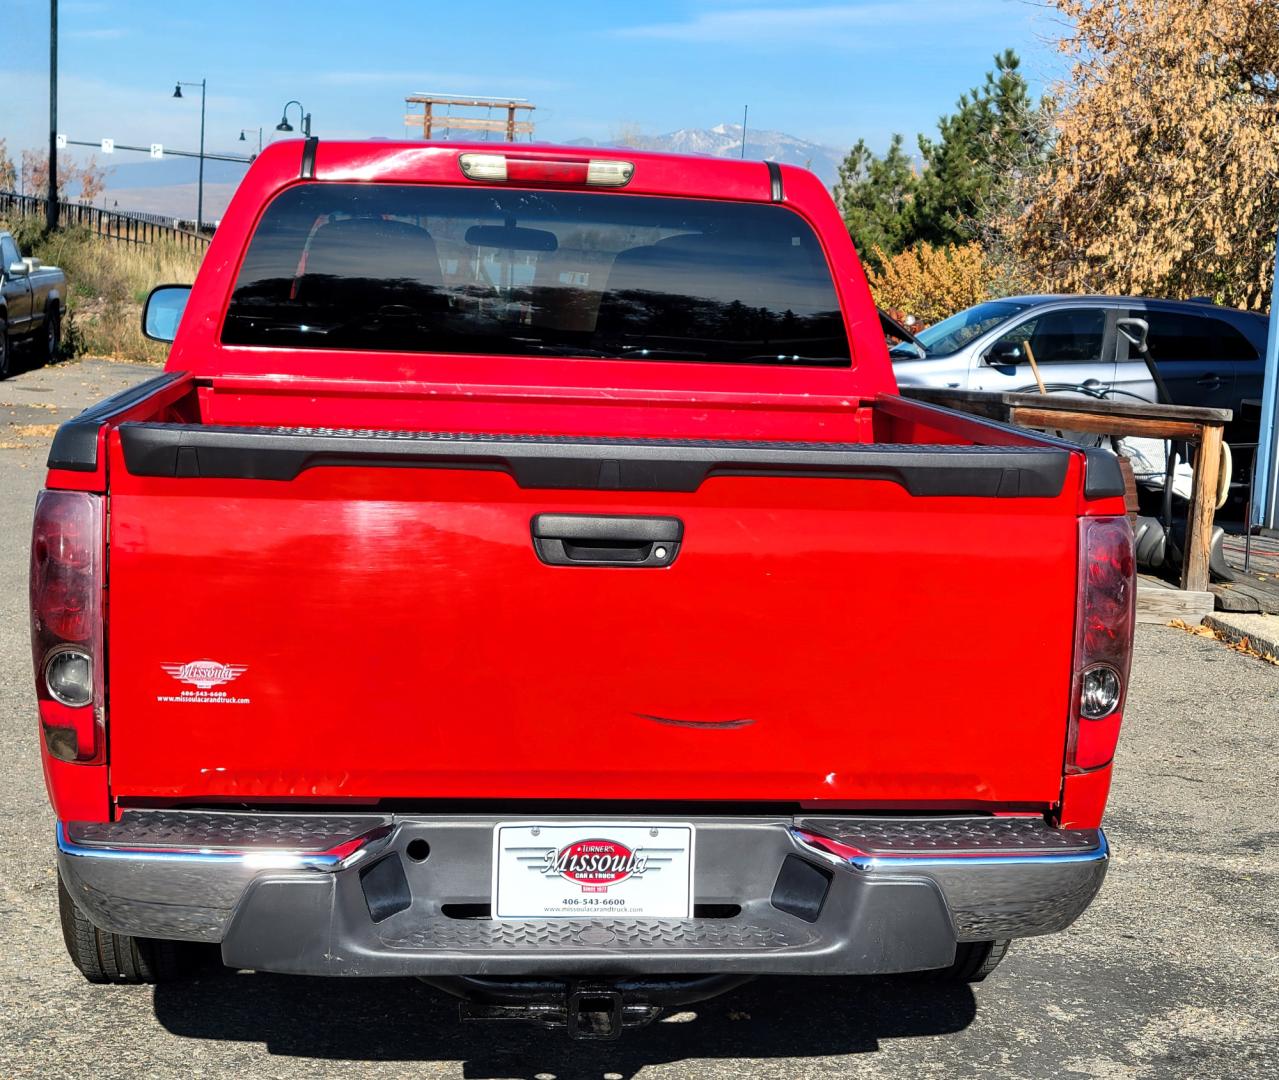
<point x="32" y="299"/>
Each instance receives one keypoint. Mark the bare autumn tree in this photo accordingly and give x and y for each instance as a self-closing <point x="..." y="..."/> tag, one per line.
<point x="35" y="174"/>
<point x="93" y="180"/>
<point x="1163" y="177"/>
<point x="90" y="178"/>
<point x="8" y="174"/>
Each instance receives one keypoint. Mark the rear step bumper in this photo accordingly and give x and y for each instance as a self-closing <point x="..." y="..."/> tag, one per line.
<point x="369" y="894"/>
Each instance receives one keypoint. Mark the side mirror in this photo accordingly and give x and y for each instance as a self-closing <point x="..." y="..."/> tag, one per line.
<point x="1136" y="331"/>
<point x="1004" y="354"/>
<point x="19" y="269"/>
<point x="163" y="311"/>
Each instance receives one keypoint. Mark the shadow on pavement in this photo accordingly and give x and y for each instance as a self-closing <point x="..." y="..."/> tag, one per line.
<point x="380" y="1020"/>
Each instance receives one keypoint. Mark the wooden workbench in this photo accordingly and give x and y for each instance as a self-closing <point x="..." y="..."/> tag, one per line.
<point x="1137" y="419"/>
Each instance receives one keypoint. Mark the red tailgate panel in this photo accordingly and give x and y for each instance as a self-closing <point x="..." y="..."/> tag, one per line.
<point x="390" y="633"/>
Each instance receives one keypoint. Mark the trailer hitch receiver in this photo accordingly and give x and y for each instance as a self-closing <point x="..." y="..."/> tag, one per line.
<point x="589" y="1010"/>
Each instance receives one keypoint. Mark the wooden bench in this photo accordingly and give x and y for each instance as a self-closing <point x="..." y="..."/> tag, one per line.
<point x="1057" y="412"/>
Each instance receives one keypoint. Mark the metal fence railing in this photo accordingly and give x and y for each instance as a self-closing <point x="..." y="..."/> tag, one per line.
<point x="112" y="224"/>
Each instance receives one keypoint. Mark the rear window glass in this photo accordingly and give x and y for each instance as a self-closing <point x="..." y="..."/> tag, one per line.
<point x="478" y="270"/>
<point x="1176" y="336"/>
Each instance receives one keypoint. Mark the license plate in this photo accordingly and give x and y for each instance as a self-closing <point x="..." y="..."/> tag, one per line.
<point x="593" y="869"/>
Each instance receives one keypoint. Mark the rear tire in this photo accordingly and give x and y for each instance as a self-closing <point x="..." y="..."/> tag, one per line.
<point x="6" y="349"/>
<point x="103" y="957"/>
<point x="974" y="960"/>
<point x="52" y="335"/>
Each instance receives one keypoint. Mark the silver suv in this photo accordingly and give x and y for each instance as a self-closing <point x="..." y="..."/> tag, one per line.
<point x="1207" y="355"/>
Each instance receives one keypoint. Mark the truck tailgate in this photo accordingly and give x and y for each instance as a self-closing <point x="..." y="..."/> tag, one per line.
<point x="343" y="627"/>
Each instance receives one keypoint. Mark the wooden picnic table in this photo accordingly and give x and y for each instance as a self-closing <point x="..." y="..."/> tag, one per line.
<point x="1107" y="416"/>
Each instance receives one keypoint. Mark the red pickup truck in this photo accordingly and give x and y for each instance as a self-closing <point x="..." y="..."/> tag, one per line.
<point x="525" y="576"/>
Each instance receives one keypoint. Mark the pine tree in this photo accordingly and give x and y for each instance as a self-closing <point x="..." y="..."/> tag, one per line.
<point x="877" y="196"/>
<point x="994" y="132"/>
<point x="969" y="175"/>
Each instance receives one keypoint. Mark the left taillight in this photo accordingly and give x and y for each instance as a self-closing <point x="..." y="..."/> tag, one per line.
<point x="1103" y="640"/>
<point x="67" y="576"/>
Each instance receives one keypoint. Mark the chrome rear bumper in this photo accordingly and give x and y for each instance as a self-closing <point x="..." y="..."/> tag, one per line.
<point x="342" y="894"/>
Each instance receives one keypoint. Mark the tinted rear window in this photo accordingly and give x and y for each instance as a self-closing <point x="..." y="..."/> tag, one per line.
<point x="1177" y="336"/>
<point x="478" y="270"/>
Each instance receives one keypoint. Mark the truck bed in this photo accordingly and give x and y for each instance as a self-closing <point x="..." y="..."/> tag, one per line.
<point x="833" y="626"/>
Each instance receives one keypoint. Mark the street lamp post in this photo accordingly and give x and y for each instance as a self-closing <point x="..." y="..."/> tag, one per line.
<point x="51" y="205"/>
<point x="243" y="139"/>
<point x="284" y="124"/>
<point x="199" y="198"/>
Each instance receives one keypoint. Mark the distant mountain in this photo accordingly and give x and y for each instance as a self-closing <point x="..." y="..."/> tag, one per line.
<point x="123" y="175"/>
<point x="725" y="140"/>
<point x="167" y="186"/>
<point x="170" y="200"/>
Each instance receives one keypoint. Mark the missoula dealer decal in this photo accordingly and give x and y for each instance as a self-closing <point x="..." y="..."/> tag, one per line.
<point x="594" y="869"/>
<point x="594" y="864"/>
<point x="204" y="675"/>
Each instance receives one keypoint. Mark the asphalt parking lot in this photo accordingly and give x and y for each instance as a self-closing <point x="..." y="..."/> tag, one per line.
<point x="1173" y="972"/>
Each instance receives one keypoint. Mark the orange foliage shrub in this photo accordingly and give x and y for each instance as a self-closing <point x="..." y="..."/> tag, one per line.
<point x="931" y="282"/>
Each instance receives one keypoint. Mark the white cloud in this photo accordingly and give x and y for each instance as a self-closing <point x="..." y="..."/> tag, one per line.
<point x="826" y="24"/>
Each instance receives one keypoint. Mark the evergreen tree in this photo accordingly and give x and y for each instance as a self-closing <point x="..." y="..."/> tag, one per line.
<point x="968" y="177"/>
<point x="877" y="196"/>
<point x="994" y="132"/>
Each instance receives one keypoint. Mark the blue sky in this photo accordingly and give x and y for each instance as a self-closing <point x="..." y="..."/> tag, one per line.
<point x="831" y="72"/>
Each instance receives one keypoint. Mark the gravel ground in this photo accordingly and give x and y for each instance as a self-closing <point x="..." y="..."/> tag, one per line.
<point x="1171" y="973"/>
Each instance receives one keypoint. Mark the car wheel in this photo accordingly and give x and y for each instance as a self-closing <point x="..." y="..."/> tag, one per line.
<point x="6" y="349"/>
<point x="974" y="960"/>
<point x="103" y="957"/>
<point x="52" y="335"/>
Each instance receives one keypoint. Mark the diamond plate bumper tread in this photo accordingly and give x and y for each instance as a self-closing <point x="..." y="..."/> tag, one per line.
<point x="951" y="835"/>
<point x="656" y="934"/>
<point x="214" y="831"/>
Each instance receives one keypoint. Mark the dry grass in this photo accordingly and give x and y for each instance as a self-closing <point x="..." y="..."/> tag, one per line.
<point x="108" y="281"/>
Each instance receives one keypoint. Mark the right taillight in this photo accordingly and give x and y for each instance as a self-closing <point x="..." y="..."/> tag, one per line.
<point x="1103" y="640"/>
<point x="66" y="622"/>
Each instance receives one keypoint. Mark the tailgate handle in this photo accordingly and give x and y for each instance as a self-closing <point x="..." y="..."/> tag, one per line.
<point x="606" y="540"/>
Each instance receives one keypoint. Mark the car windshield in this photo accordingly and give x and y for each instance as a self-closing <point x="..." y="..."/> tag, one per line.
<point x="477" y="270"/>
<point x="950" y="335"/>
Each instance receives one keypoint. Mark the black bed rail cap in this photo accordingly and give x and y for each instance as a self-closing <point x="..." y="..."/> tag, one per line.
<point x="590" y="463"/>
<point x="75" y="443"/>
<point x="1103" y="478"/>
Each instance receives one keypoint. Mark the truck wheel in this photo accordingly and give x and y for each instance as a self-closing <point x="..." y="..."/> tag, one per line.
<point x="6" y="349"/>
<point x="52" y="334"/>
<point x="103" y="957"/>
<point x="974" y="960"/>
